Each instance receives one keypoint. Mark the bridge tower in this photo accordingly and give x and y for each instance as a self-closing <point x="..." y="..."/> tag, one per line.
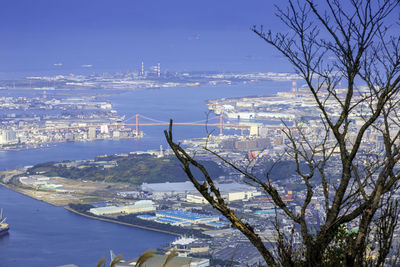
<point x="220" y="124"/>
<point x="294" y="88"/>
<point x="137" y="124"/>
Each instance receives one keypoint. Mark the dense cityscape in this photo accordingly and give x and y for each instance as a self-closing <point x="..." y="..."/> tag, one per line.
<point x="43" y="120"/>
<point x="175" y="206"/>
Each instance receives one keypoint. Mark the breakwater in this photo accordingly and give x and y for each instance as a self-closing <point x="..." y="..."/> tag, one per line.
<point x="119" y="222"/>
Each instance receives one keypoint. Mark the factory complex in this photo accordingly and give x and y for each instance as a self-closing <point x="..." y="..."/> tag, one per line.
<point x="229" y="191"/>
<point x="184" y="218"/>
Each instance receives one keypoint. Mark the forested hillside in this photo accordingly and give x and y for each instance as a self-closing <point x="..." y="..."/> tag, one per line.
<point x="134" y="169"/>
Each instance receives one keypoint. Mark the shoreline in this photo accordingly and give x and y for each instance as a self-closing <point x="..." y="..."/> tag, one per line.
<point x="20" y="191"/>
<point x="54" y="144"/>
<point x="121" y="223"/>
<point x="15" y="189"/>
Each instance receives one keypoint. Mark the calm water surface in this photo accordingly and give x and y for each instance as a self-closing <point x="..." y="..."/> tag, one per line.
<point x="45" y="235"/>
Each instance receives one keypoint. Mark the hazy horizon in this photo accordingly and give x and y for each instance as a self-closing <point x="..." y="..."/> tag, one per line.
<point x="118" y="35"/>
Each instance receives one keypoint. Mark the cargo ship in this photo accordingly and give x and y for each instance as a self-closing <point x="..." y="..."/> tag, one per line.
<point x="4" y="227"/>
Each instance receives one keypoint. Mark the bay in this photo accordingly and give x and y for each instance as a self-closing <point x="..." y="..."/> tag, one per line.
<point x="45" y="235"/>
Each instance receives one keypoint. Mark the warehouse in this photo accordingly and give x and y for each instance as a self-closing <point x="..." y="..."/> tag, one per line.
<point x="139" y="206"/>
<point x="184" y="218"/>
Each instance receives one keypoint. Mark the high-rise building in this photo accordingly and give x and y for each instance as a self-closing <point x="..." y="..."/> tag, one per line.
<point x="8" y="137"/>
<point x="92" y="133"/>
<point x="104" y="128"/>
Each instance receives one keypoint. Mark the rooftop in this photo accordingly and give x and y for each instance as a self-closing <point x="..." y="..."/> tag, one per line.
<point x="186" y="215"/>
<point x="188" y="187"/>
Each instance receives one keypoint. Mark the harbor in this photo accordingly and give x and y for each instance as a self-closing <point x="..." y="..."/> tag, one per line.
<point x="48" y="235"/>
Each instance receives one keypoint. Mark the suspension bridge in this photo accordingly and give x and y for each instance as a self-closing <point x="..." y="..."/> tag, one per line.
<point x="140" y="121"/>
<point x="209" y="122"/>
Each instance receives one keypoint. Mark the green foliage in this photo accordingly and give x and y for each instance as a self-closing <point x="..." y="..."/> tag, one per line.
<point x="101" y="262"/>
<point x="335" y="254"/>
<point x="278" y="170"/>
<point x="135" y="169"/>
<point x="92" y="199"/>
<point x="81" y="207"/>
<point x="172" y="254"/>
<point x="116" y="260"/>
<point x="144" y="257"/>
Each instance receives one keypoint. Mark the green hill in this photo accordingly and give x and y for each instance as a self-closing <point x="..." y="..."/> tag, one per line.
<point x="135" y="169"/>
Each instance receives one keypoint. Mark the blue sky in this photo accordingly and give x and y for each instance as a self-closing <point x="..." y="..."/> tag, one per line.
<point x="118" y="34"/>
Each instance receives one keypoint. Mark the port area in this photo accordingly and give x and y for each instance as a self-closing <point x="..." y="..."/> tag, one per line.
<point x="173" y="207"/>
<point x="61" y="191"/>
<point x="114" y="220"/>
